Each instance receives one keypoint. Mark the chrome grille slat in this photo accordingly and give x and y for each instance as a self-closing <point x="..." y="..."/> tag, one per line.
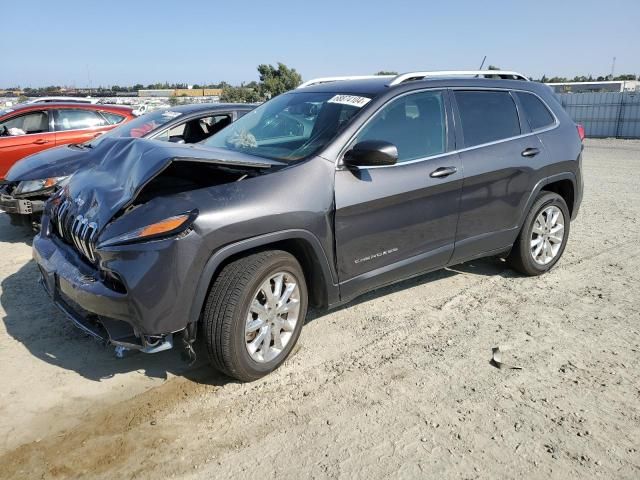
<point x="62" y="209"/>
<point x="75" y="230"/>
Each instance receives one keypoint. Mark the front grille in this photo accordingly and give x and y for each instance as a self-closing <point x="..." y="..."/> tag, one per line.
<point x="75" y="230"/>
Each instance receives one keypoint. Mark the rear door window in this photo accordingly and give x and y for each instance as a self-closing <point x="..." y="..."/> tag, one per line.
<point x="537" y="114"/>
<point x="32" y="122"/>
<point x="487" y="116"/>
<point x="72" y="119"/>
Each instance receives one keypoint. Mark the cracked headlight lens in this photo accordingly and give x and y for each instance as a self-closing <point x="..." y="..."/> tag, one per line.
<point x="32" y="186"/>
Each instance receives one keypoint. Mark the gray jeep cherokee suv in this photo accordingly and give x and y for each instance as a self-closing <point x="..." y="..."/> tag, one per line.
<point x="319" y="195"/>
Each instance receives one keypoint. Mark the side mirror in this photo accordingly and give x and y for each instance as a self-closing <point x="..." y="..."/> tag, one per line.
<point x="176" y="139"/>
<point x="371" y="153"/>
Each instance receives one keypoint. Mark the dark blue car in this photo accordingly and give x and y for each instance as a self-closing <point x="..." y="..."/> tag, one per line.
<point x="34" y="179"/>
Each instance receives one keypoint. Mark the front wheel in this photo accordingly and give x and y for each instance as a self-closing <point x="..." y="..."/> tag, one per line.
<point x="543" y="237"/>
<point x="19" y="219"/>
<point x="254" y="314"/>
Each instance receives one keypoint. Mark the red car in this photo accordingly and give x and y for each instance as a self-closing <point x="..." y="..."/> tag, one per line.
<point x="27" y="129"/>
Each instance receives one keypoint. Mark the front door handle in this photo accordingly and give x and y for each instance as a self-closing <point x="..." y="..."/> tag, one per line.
<point x="443" y="172"/>
<point x="530" y="152"/>
<point x="42" y="141"/>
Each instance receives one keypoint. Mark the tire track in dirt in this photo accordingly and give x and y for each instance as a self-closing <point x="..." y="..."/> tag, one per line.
<point x="113" y="436"/>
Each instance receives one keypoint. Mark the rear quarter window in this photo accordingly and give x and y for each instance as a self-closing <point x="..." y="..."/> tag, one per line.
<point x="487" y="116"/>
<point x="113" y="118"/>
<point x="536" y="112"/>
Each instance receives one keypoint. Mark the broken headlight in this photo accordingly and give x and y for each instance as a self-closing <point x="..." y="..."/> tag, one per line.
<point x="35" y="186"/>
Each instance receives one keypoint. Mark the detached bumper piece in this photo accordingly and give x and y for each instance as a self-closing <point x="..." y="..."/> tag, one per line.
<point x="20" y="206"/>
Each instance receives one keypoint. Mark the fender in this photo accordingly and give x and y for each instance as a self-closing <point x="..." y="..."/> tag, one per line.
<point x="219" y="256"/>
<point x="539" y="186"/>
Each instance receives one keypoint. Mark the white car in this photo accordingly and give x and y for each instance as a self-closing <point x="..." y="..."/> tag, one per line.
<point x="64" y="99"/>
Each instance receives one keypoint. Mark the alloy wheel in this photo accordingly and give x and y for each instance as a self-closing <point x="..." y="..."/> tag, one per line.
<point x="547" y="235"/>
<point x="272" y="317"/>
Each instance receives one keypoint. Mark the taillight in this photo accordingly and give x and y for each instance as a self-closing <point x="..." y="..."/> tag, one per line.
<point x="580" y="128"/>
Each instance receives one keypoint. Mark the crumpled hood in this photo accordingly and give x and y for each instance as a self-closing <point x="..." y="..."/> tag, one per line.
<point x="126" y="165"/>
<point x="55" y="162"/>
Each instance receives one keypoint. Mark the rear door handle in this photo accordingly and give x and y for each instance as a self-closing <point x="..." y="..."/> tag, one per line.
<point x="443" y="172"/>
<point x="530" y="152"/>
<point x="42" y="141"/>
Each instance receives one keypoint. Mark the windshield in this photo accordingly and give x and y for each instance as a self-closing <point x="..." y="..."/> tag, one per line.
<point x="291" y="126"/>
<point x="141" y="126"/>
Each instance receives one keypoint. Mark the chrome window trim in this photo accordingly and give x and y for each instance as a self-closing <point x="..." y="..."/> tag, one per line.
<point x="91" y="129"/>
<point x="556" y="124"/>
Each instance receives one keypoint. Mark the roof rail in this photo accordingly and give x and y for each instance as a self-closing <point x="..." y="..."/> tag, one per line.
<point x="456" y="73"/>
<point x="317" y="81"/>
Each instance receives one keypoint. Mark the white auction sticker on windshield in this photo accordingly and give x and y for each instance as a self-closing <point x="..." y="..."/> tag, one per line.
<point x="352" y="100"/>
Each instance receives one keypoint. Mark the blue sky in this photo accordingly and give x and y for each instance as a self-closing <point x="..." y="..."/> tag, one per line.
<point x="104" y="43"/>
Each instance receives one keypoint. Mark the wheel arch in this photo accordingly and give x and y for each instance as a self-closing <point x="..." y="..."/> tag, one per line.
<point x="566" y="189"/>
<point x="302" y="244"/>
<point x="556" y="183"/>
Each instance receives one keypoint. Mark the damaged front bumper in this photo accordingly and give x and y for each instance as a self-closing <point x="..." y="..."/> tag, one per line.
<point x="22" y="210"/>
<point x="78" y="291"/>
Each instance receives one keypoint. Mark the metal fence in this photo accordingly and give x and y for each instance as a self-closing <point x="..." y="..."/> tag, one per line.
<point x="605" y="114"/>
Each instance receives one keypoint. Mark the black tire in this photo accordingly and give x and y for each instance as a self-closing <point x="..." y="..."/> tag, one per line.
<point x="227" y="307"/>
<point x="19" y="220"/>
<point x="521" y="257"/>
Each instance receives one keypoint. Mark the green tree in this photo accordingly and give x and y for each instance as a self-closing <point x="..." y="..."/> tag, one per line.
<point x="493" y="67"/>
<point x="240" y="95"/>
<point x="277" y="80"/>
<point x="173" y="101"/>
<point x="580" y="78"/>
<point x="386" y="72"/>
<point x="626" y="76"/>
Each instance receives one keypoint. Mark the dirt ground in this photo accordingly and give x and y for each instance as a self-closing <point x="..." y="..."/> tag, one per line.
<point x="397" y="384"/>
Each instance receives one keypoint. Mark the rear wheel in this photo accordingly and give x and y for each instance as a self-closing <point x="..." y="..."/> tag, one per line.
<point x="544" y="235"/>
<point x="254" y="314"/>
